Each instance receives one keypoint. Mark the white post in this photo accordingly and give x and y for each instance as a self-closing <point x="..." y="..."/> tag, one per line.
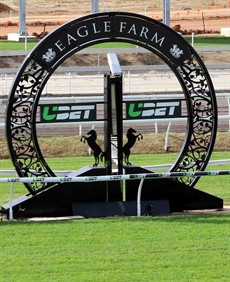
<point x="26" y="40"/>
<point x="229" y="112"/>
<point x="128" y="81"/>
<point x="11" y="202"/>
<point x="70" y="86"/>
<point x="193" y="39"/>
<point x="156" y="127"/>
<point x="80" y="129"/>
<point x="124" y="188"/>
<point x="6" y="84"/>
<point x="139" y="197"/>
<point x="46" y="88"/>
<point x="11" y="12"/>
<point x="167" y="136"/>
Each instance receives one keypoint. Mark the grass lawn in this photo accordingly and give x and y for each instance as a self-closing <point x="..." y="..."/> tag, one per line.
<point x="173" y="248"/>
<point x="8" y="45"/>
<point x="199" y="41"/>
<point x="209" y="40"/>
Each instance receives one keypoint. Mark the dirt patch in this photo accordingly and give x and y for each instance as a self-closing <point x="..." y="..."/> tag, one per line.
<point x="43" y="16"/>
<point x="212" y="25"/>
<point x="216" y="57"/>
<point x="206" y="16"/>
<point x="5" y="9"/>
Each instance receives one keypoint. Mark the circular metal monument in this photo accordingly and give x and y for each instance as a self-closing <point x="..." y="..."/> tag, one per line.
<point x="97" y="28"/>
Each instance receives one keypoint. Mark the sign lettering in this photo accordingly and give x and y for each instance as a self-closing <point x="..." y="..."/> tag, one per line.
<point x="53" y="113"/>
<point x="106" y="28"/>
<point x="67" y="113"/>
<point x="153" y="109"/>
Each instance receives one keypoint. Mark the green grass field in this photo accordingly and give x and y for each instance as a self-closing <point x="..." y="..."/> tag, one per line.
<point x="199" y="41"/>
<point x="209" y="40"/>
<point x="173" y="248"/>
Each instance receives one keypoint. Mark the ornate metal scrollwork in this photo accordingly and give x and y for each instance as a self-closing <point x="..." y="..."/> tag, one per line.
<point x="203" y="119"/>
<point x="27" y="162"/>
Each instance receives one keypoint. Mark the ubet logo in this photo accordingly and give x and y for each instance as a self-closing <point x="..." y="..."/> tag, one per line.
<point x="155" y="109"/>
<point x="63" y="113"/>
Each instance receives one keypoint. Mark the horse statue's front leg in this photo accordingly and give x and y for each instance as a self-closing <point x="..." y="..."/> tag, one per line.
<point x="83" y="139"/>
<point x="139" y="136"/>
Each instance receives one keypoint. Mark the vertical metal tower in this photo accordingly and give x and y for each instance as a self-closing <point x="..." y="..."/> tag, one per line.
<point x="94" y="6"/>
<point x="166" y="12"/>
<point x="22" y="18"/>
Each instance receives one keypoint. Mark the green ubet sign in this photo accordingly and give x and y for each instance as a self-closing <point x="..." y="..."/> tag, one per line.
<point x="67" y="113"/>
<point x="153" y="109"/>
<point x="55" y="113"/>
<point x="89" y="30"/>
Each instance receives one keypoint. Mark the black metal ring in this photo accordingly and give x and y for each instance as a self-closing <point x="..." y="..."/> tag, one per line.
<point x="106" y="27"/>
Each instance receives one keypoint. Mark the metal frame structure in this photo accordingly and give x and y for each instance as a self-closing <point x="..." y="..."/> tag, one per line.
<point x="89" y="30"/>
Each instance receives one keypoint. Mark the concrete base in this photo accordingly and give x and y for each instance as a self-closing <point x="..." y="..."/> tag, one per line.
<point x="225" y="31"/>
<point x="20" y="38"/>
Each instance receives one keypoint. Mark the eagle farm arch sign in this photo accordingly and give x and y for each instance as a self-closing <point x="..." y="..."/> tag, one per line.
<point x="110" y="27"/>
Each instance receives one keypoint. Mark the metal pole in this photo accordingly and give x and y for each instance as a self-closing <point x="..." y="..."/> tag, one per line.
<point x="128" y="81"/>
<point x="193" y="39"/>
<point x="70" y="83"/>
<point x="166" y="12"/>
<point x="22" y="17"/>
<point x="229" y="112"/>
<point x="139" y="197"/>
<point x="167" y="136"/>
<point x="203" y="21"/>
<point x="11" y="12"/>
<point x="94" y="6"/>
<point x="116" y="177"/>
<point x="156" y="127"/>
<point x="6" y="86"/>
<point x="26" y="40"/>
<point x="80" y="129"/>
<point x="11" y="202"/>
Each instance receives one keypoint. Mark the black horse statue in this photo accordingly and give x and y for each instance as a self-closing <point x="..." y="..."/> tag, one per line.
<point x="131" y="141"/>
<point x="91" y="140"/>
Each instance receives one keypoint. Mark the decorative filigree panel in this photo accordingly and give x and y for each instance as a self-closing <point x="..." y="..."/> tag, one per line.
<point x="203" y="118"/>
<point x="24" y="150"/>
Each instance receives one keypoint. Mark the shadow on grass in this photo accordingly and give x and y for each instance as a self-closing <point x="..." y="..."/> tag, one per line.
<point x="204" y="219"/>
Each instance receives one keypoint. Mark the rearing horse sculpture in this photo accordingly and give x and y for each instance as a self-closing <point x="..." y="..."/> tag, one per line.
<point x="91" y="140"/>
<point x="131" y="141"/>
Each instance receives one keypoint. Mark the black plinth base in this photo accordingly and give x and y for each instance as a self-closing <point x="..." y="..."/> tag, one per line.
<point x="128" y="208"/>
<point x="180" y="196"/>
<point x="57" y="200"/>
